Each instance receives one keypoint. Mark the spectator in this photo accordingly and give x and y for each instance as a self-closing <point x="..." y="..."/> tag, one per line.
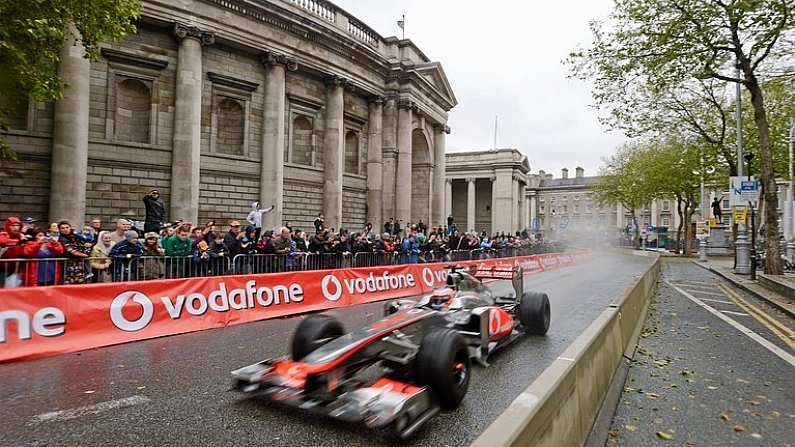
<point x="52" y="230"/>
<point x="151" y="263"/>
<point x="299" y="237"/>
<point x="232" y="239"/>
<point x="100" y="261"/>
<point x="87" y="235"/>
<point x="450" y="223"/>
<point x="122" y="227"/>
<point x="125" y="256"/>
<point x="155" y="211"/>
<point x="265" y="244"/>
<point x="96" y="227"/>
<point x="410" y="249"/>
<point x="219" y="253"/>
<point x="389" y="226"/>
<point x="284" y="246"/>
<point x="76" y="267"/>
<point x="178" y="248"/>
<point x="27" y="224"/>
<point x="255" y="216"/>
<point x="317" y="243"/>
<point x="421" y="228"/>
<point x="319" y="223"/>
<point x="396" y="228"/>
<point x="43" y="272"/>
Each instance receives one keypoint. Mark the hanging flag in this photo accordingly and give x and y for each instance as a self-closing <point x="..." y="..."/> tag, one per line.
<point x="402" y="23"/>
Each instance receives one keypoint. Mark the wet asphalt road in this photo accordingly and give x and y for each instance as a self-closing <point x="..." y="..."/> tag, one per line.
<point x="173" y="390"/>
<point x="699" y="381"/>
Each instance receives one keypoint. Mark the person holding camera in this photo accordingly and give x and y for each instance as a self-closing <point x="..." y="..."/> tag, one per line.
<point x="155" y="212"/>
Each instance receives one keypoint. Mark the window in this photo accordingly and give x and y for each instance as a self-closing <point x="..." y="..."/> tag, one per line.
<point x="541" y="208"/>
<point x="666" y="221"/>
<point x="303" y="139"/>
<point x="666" y="205"/>
<point x="231" y="127"/>
<point x="725" y="204"/>
<point x="576" y="208"/>
<point x="565" y="209"/>
<point x="15" y="113"/>
<point x="133" y="110"/>
<point x="352" y="152"/>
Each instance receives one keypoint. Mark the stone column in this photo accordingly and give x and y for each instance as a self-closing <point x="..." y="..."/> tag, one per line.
<point x="271" y="184"/>
<point x="502" y="192"/>
<point x="403" y="175"/>
<point x="334" y="152"/>
<point x="524" y="214"/>
<point x="438" y="203"/>
<point x="186" y="153"/>
<point x="70" y="135"/>
<point x="389" y="151"/>
<point x="619" y="216"/>
<point x="533" y="206"/>
<point x="375" y="164"/>
<point x="515" y="199"/>
<point x="471" y="204"/>
<point x="448" y="199"/>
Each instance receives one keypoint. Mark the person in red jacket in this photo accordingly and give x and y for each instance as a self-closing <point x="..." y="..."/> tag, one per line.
<point x="13" y="245"/>
<point x="43" y="272"/>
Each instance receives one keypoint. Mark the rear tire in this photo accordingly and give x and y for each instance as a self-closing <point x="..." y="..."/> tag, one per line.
<point x="313" y="332"/>
<point x="534" y="312"/>
<point x="443" y="365"/>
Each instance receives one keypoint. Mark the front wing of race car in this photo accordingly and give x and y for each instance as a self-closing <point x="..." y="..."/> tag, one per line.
<point x="399" y="407"/>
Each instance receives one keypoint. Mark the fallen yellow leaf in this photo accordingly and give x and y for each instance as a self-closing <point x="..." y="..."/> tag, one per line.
<point x="739" y="428"/>
<point x="665" y="436"/>
<point x="724" y="416"/>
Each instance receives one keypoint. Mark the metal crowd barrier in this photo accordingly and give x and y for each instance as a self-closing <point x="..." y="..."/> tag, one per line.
<point x="58" y="271"/>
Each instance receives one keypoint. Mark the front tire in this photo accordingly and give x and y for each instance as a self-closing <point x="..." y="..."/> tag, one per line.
<point x="534" y="312"/>
<point x="313" y="332"/>
<point x="443" y="365"/>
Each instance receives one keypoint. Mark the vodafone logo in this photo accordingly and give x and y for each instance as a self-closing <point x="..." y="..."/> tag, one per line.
<point x="117" y="314"/>
<point x="331" y="288"/>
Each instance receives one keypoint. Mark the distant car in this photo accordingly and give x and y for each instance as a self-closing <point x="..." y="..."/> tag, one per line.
<point x="397" y="373"/>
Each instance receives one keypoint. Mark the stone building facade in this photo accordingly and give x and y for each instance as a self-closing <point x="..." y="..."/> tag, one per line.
<point x="486" y="190"/>
<point x="568" y="204"/>
<point x="221" y="103"/>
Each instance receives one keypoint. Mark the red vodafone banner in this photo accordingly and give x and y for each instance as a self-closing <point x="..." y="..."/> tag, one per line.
<point x="42" y="321"/>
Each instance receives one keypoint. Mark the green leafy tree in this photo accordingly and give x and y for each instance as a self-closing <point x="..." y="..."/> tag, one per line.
<point x="623" y="182"/>
<point x="664" y="44"/>
<point x="32" y="34"/>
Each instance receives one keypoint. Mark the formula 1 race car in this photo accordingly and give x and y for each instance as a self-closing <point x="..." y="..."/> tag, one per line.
<point x="397" y="373"/>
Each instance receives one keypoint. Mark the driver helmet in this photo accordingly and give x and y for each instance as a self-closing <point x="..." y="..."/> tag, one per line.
<point x="441" y="297"/>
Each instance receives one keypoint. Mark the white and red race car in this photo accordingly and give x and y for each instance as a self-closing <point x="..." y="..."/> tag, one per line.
<point x="402" y="370"/>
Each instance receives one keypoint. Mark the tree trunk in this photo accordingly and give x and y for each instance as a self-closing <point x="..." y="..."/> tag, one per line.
<point x="636" y="231"/>
<point x="681" y="223"/>
<point x="688" y="217"/>
<point x="773" y="264"/>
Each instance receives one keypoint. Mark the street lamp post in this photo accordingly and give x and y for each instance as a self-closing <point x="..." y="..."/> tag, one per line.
<point x="741" y="245"/>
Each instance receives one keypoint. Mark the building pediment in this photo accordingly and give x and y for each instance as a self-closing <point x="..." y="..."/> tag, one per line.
<point x="433" y="74"/>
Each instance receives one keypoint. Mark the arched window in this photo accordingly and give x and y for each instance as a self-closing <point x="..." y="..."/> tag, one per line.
<point x="231" y="119"/>
<point x="352" y="152"/>
<point x="302" y="141"/>
<point x="133" y="110"/>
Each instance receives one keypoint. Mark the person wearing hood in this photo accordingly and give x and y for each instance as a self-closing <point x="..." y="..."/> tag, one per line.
<point x="76" y="268"/>
<point x="125" y="256"/>
<point x="100" y="262"/>
<point x="151" y="264"/>
<point x="12" y="246"/>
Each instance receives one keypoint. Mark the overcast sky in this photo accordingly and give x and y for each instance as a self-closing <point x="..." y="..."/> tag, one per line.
<point x="504" y="58"/>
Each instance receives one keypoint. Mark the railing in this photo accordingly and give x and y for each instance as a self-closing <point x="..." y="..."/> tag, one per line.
<point x="362" y="32"/>
<point x="60" y="271"/>
<point x="324" y="10"/>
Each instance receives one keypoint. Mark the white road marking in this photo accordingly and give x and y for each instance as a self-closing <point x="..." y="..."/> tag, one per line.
<point x="696" y="285"/>
<point x="72" y="413"/>
<point x="784" y="355"/>
<point x="735" y="313"/>
<point x="717" y="301"/>
<point x="702" y="292"/>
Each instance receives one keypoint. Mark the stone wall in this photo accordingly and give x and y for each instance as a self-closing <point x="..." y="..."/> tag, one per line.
<point x="116" y="190"/>
<point x="302" y="202"/>
<point x="225" y="197"/>
<point x="25" y="187"/>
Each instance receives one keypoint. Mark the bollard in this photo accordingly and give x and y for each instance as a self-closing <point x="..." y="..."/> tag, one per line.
<point x="702" y="250"/>
<point x="743" y="249"/>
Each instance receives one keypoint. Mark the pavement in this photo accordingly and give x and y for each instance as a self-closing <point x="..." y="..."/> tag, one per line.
<point x="715" y="366"/>
<point x="724" y="267"/>
<point x="173" y="390"/>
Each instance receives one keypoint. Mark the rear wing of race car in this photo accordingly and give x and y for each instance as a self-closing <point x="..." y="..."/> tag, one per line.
<point x="515" y="275"/>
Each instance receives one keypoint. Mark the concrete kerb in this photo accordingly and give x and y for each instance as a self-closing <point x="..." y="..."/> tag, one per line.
<point x="561" y="405"/>
<point x="745" y="288"/>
